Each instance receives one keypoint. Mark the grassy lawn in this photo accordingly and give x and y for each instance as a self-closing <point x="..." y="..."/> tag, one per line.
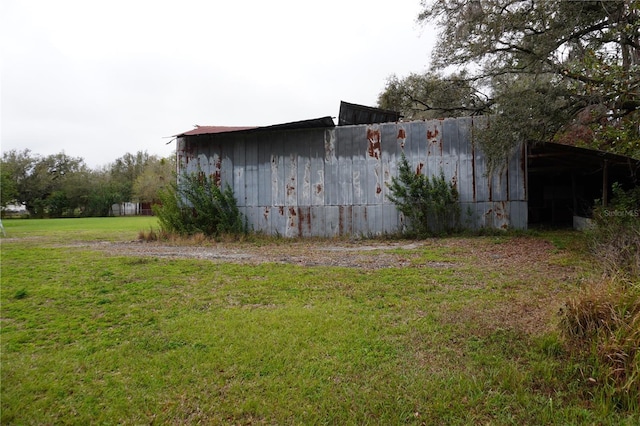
<point x="93" y="337"/>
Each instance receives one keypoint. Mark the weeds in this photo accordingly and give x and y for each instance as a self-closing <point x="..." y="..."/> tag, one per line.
<point x="602" y="327"/>
<point x="615" y="239"/>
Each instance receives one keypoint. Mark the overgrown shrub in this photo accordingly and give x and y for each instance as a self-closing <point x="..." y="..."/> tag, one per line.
<point x="430" y="204"/>
<point x="602" y="324"/>
<point x="615" y="238"/>
<point x="195" y="204"/>
<point x="602" y="328"/>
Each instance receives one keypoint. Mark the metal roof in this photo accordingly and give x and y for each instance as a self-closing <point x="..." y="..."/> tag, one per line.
<point x="208" y="130"/>
<point x="313" y="123"/>
<point x="351" y="114"/>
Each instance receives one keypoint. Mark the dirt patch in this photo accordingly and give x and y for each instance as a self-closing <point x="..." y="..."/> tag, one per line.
<point x="526" y="268"/>
<point x="317" y="253"/>
<point x="523" y="254"/>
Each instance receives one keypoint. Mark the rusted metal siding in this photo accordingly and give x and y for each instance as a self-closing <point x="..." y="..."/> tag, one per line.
<point x="335" y="181"/>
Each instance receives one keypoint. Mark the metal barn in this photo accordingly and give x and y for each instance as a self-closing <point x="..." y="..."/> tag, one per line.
<point x="312" y="178"/>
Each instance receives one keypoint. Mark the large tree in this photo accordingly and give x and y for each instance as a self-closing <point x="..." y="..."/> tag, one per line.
<point x="544" y="70"/>
<point x="125" y="170"/>
<point x="45" y="185"/>
<point x="157" y="174"/>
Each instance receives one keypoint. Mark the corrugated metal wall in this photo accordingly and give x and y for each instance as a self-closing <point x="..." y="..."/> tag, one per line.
<point x="328" y="182"/>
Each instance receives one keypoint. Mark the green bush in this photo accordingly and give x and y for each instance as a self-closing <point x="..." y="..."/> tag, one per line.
<point x="196" y="205"/>
<point x="615" y="238"/>
<point x="430" y="204"/>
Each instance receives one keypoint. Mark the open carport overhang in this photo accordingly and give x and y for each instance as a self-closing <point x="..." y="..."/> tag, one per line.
<point x="564" y="180"/>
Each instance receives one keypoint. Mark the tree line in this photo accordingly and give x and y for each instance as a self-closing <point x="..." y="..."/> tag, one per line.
<point x="60" y="185"/>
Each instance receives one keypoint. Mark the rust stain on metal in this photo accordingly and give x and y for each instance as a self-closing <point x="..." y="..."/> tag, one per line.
<point x="402" y="135"/>
<point x="340" y="220"/>
<point x="318" y="188"/>
<point x="304" y="220"/>
<point x="419" y="168"/>
<point x="266" y="214"/>
<point x="378" y="189"/>
<point x="290" y="189"/>
<point x="292" y="215"/>
<point x="373" y="136"/>
<point x="281" y="210"/>
<point x="300" y="220"/>
<point x="432" y="134"/>
<point x="217" y="174"/>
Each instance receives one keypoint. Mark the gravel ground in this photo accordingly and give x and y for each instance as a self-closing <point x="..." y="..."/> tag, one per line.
<point x="523" y="253"/>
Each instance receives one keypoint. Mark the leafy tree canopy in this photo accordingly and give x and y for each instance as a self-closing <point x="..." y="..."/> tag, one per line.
<point x="59" y="185"/>
<point x="546" y="70"/>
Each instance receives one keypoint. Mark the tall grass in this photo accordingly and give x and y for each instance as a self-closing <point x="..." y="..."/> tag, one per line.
<point x="602" y="325"/>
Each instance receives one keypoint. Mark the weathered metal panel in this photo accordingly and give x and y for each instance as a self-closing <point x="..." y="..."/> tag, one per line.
<point x="290" y="156"/>
<point x="304" y="221"/>
<point x="345" y="220"/>
<point x="331" y="175"/>
<point x="373" y="165"/>
<point x="393" y="135"/>
<point x="316" y="172"/>
<point x="332" y="221"/>
<point x="301" y="142"/>
<point x="390" y="219"/>
<point x="415" y="146"/>
<point x="317" y="224"/>
<point x="433" y="161"/>
<point x="345" y="152"/>
<point x="278" y="220"/>
<point x="278" y="183"/>
<point x="517" y="173"/>
<point x="239" y="164"/>
<point x="251" y="170"/>
<point x="263" y="221"/>
<point x="480" y="178"/>
<point x="358" y="152"/>
<point x="254" y="219"/>
<point x="451" y="151"/>
<point x="329" y="182"/>
<point x="466" y="161"/>
<point x="226" y="167"/>
<point x="374" y="219"/>
<point x="359" y="220"/>
<point x="265" y="188"/>
<point x="519" y="214"/>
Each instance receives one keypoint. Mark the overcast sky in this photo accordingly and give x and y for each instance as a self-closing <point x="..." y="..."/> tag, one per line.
<point x="98" y="79"/>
